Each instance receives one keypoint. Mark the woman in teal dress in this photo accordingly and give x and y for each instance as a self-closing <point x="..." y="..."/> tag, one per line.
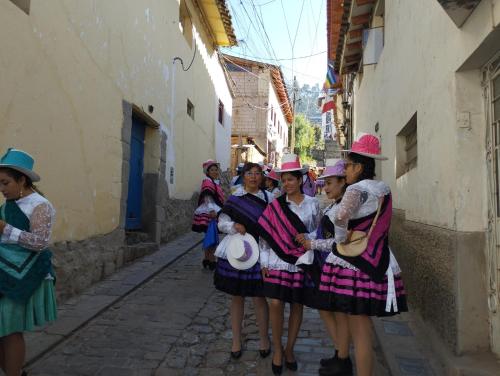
<point x="27" y="295"/>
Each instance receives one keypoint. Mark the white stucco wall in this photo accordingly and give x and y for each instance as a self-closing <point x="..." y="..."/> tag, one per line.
<point x="417" y="72"/>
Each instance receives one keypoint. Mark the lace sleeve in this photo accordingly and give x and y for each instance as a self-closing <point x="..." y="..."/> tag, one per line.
<point x="322" y="244"/>
<point x="349" y="205"/>
<point x="41" y="221"/>
<point x="264" y="253"/>
<point x="226" y="225"/>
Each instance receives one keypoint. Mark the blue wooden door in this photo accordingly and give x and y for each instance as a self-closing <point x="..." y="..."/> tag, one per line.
<point x="134" y="199"/>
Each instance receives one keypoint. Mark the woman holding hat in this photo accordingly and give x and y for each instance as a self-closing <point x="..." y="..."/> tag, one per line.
<point x="272" y="183"/>
<point x="209" y="204"/>
<point x="27" y="297"/>
<point x="238" y="271"/>
<point x="284" y="282"/>
<point x="369" y="283"/>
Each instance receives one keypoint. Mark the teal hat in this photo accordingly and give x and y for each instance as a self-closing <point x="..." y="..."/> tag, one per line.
<point x="20" y="161"/>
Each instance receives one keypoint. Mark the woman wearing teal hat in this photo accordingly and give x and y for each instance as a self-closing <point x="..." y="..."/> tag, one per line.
<point x="27" y="295"/>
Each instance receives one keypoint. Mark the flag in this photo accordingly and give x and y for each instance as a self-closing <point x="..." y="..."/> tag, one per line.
<point x="332" y="79"/>
<point x="328" y="104"/>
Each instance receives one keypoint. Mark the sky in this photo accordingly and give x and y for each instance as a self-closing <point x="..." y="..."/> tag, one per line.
<point x="300" y="24"/>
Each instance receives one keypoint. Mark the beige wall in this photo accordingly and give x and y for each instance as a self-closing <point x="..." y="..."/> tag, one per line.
<point x="65" y="70"/>
<point x="417" y="73"/>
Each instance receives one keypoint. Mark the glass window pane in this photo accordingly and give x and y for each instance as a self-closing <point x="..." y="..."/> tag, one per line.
<point x="496" y="86"/>
<point x="496" y="110"/>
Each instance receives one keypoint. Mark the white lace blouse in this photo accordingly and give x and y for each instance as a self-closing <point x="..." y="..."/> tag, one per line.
<point x="41" y="214"/>
<point x="226" y="224"/>
<point x="310" y="214"/>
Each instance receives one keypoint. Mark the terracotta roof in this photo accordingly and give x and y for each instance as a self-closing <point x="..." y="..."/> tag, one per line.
<point x="226" y="19"/>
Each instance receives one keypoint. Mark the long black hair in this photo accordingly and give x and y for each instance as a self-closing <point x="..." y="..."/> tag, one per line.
<point x="18" y="175"/>
<point x="367" y="163"/>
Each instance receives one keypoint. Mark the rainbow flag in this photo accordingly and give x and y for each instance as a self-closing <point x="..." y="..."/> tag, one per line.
<point x="331" y="77"/>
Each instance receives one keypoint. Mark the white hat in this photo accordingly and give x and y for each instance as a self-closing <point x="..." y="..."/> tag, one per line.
<point x="242" y="251"/>
<point x="291" y="162"/>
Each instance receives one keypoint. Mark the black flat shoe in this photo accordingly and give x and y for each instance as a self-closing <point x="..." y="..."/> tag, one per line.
<point x="265" y="353"/>
<point x="212" y="265"/>
<point x="325" y="362"/>
<point x="292" y="366"/>
<point x="276" y="369"/>
<point x="236" y="354"/>
<point x="24" y="373"/>
<point x="205" y="263"/>
<point x="339" y="367"/>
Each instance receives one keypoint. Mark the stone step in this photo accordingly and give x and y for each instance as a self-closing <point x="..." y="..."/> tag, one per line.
<point x="136" y="237"/>
<point x="137" y="250"/>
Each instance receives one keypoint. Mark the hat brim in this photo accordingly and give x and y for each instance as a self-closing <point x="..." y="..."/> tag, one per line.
<point x="303" y="170"/>
<point x="374" y="156"/>
<point x="323" y="177"/>
<point x="31" y="174"/>
<point x="236" y="241"/>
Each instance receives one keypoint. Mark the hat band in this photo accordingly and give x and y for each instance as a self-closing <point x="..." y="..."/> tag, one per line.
<point x="247" y="252"/>
<point x="290" y="165"/>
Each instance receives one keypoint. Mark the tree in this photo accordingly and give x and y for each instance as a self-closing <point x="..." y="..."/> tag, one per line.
<point x="305" y="137"/>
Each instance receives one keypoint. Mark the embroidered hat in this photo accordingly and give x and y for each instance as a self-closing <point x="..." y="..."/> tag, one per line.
<point x="338" y="169"/>
<point x="367" y="145"/>
<point x="290" y="162"/>
<point x="242" y="251"/>
<point x="209" y="163"/>
<point x="20" y="161"/>
<point x="273" y="175"/>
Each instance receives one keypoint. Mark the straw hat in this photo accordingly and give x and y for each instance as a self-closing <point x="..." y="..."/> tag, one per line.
<point x="367" y="145"/>
<point x="242" y="251"/>
<point x="338" y="169"/>
<point x="209" y="163"/>
<point x="289" y="163"/>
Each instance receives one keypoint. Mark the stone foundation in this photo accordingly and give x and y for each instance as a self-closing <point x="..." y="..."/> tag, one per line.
<point x="444" y="273"/>
<point x="80" y="264"/>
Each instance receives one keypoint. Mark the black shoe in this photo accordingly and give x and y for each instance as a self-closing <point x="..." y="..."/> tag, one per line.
<point x="205" y="263"/>
<point x="325" y="362"/>
<point x="292" y="366"/>
<point x="24" y="373"/>
<point x="341" y="367"/>
<point x="276" y="369"/>
<point x="236" y="354"/>
<point x="212" y="265"/>
<point x="265" y="353"/>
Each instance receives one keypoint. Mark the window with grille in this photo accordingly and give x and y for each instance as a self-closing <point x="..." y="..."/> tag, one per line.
<point x="221" y="113"/>
<point x="407" y="147"/>
<point x="190" y="109"/>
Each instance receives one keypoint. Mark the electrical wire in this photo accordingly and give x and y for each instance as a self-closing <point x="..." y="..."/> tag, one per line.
<point x="283" y="58"/>
<point x="192" y="60"/>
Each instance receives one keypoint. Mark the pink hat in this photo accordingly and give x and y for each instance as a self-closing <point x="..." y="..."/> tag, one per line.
<point x="209" y="163"/>
<point x="290" y="162"/>
<point x="273" y="175"/>
<point x="367" y="145"/>
<point x="338" y="169"/>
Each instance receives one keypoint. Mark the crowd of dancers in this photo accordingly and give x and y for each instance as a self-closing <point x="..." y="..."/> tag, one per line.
<point x="281" y="248"/>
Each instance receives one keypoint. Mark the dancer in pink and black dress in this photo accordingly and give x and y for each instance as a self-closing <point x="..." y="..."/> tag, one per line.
<point x="240" y="214"/>
<point x="284" y="282"/>
<point x="209" y="204"/>
<point x="369" y="284"/>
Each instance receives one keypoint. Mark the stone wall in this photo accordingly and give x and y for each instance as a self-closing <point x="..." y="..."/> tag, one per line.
<point x="443" y="272"/>
<point x="79" y="264"/>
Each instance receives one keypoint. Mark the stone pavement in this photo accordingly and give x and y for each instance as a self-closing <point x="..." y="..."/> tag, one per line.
<point x="172" y="322"/>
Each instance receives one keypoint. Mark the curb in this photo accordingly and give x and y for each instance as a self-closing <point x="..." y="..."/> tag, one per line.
<point x="79" y="310"/>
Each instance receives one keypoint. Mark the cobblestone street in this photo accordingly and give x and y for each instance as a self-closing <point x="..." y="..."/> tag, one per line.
<point x="174" y="324"/>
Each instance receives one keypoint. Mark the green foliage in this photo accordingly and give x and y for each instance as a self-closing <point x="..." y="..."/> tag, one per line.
<point x="305" y="137"/>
